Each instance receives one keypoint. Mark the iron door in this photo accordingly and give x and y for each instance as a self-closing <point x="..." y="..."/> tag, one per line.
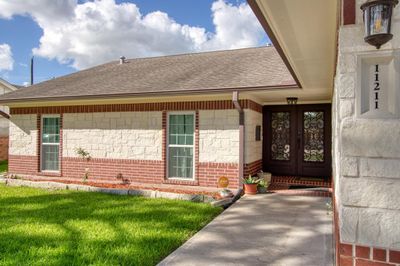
<point x="297" y="140"/>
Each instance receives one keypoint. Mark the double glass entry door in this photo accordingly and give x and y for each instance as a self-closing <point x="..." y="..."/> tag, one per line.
<point x="297" y="140"/>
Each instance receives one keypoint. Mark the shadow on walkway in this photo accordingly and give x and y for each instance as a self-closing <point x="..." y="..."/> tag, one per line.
<point x="265" y="229"/>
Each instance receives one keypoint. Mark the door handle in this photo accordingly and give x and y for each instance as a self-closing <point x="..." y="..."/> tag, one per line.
<point x="298" y="140"/>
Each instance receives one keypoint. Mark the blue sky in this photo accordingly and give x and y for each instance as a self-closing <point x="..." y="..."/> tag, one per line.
<point x="75" y="39"/>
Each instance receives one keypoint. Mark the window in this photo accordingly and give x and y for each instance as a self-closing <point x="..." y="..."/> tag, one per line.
<point x="50" y="143"/>
<point x="180" y="146"/>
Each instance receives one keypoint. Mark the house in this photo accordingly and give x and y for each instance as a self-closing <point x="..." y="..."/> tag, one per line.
<point x="5" y="87"/>
<point x="162" y="120"/>
<point x="189" y="119"/>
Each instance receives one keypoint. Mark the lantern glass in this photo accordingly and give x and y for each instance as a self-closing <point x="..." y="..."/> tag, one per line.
<point x="377" y="18"/>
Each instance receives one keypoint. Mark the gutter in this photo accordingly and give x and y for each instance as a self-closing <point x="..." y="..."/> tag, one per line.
<point x="235" y="101"/>
<point x="143" y="94"/>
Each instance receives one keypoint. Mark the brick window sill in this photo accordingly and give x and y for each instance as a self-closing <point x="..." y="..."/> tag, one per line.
<point x="55" y="174"/>
<point x="181" y="182"/>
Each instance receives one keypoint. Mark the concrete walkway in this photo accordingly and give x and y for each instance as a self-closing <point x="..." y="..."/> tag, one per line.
<point x="266" y="229"/>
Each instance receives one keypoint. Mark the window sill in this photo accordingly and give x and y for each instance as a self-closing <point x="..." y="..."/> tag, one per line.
<point x="50" y="173"/>
<point x="177" y="181"/>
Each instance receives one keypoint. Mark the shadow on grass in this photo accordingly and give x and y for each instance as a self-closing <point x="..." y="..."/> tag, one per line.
<point x="39" y="227"/>
<point x="3" y="166"/>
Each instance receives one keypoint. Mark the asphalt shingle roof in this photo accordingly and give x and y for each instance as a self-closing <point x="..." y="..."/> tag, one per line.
<point x="205" y="72"/>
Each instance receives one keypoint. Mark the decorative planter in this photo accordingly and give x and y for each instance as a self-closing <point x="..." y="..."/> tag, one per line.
<point x="250" y="189"/>
<point x="266" y="176"/>
<point x="262" y="189"/>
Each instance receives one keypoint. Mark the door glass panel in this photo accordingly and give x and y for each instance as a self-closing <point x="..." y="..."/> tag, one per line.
<point x="313" y="136"/>
<point x="280" y="145"/>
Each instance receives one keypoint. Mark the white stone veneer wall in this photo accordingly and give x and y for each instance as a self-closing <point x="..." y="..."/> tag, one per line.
<point x="23" y="135"/>
<point x="116" y="135"/>
<point x="253" y="148"/>
<point x="219" y="136"/>
<point x="138" y="135"/>
<point x="366" y="152"/>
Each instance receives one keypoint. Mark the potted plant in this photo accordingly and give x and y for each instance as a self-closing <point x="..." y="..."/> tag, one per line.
<point x="262" y="186"/>
<point x="250" y="185"/>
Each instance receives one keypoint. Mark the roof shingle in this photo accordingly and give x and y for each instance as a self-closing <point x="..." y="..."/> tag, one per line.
<point x="205" y="72"/>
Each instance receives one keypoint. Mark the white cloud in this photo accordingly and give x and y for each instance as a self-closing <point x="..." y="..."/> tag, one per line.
<point x="99" y="31"/>
<point x="235" y="26"/>
<point x="6" y="59"/>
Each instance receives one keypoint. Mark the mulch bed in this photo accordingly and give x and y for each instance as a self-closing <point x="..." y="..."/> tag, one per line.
<point x="125" y="186"/>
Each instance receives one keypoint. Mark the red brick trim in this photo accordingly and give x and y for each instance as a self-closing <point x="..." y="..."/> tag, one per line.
<point x="138" y="107"/>
<point x="164" y="144"/>
<point x="349" y="12"/>
<point x="209" y="173"/>
<point x="22" y="164"/>
<point x="4" y="148"/>
<point x="252" y="168"/>
<point x="144" y="171"/>
<point x="379" y="254"/>
<point x="60" y="149"/>
<point x="353" y="254"/>
<point x="249" y="104"/>
<point x="196" y="145"/>
<point x="39" y="140"/>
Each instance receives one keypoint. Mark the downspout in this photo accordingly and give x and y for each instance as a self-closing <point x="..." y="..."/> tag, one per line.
<point x="4" y="114"/>
<point x="235" y="100"/>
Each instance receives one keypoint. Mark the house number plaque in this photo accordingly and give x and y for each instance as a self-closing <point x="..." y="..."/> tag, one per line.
<point x="377" y="87"/>
<point x="377" y="96"/>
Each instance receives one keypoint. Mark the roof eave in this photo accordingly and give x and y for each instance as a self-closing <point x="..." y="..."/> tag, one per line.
<point x="148" y="94"/>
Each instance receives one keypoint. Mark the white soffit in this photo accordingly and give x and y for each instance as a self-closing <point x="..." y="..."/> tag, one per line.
<point x="306" y="30"/>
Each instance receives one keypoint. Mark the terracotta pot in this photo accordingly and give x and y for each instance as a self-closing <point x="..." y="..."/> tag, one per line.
<point x="250" y="189"/>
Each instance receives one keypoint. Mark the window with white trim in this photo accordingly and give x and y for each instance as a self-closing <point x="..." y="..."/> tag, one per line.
<point x="50" y="144"/>
<point x="180" y="148"/>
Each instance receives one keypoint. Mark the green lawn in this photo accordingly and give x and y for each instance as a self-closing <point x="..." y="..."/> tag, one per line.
<point x="40" y="227"/>
<point x="3" y="166"/>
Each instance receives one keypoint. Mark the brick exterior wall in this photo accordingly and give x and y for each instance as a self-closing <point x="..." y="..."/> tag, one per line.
<point x="27" y="123"/>
<point x="210" y="172"/>
<point x="145" y="171"/>
<point x="252" y="168"/>
<point x="356" y="255"/>
<point x="23" y="164"/>
<point x="137" y="107"/>
<point x="3" y="148"/>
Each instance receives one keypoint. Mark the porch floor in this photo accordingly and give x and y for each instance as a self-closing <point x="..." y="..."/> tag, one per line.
<point x="304" y="186"/>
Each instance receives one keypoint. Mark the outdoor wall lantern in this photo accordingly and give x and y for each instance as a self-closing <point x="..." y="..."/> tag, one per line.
<point x="377" y="21"/>
<point x="291" y="100"/>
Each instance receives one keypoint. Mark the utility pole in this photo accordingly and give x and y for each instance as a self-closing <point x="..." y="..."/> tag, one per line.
<point x="32" y="70"/>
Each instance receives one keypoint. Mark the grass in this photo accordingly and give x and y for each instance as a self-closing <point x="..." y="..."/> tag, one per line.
<point x="3" y="166"/>
<point x="40" y="227"/>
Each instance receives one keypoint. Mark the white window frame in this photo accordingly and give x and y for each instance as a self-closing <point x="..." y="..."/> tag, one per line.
<point x="50" y="144"/>
<point x="183" y="146"/>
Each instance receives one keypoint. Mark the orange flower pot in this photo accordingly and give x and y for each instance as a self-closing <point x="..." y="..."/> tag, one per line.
<point x="250" y="189"/>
